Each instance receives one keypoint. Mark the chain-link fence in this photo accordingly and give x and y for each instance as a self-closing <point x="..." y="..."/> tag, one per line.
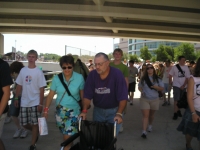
<point x="83" y="54"/>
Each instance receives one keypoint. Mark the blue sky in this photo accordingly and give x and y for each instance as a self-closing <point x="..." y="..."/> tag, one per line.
<point x="56" y="44"/>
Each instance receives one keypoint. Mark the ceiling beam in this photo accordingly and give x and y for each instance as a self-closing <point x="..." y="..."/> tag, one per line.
<point x="99" y="2"/>
<point x="172" y="3"/>
<point x="100" y="11"/>
<point x="115" y="27"/>
<point x="169" y="37"/>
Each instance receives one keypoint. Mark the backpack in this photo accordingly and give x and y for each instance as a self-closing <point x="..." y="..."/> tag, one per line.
<point x="81" y="65"/>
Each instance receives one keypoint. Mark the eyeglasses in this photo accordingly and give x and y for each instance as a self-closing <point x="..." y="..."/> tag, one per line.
<point x="69" y="67"/>
<point x="149" y="68"/>
<point x="99" y="64"/>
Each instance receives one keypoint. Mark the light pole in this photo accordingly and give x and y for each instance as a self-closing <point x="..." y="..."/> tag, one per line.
<point x="15" y="48"/>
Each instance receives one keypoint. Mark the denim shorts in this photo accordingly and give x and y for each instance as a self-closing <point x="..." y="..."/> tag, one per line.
<point x="106" y="115"/>
<point x="14" y="111"/>
<point x="166" y="88"/>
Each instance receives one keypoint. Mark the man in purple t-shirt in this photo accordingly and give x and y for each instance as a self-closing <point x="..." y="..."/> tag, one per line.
<point x="107" y="87"/>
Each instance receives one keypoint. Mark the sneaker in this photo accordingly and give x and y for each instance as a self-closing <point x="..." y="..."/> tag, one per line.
<point x="131" y="103"/>
<point x="164" y="104"/>
<point x="175" y="117"/>
<point x="24" y="133"/>
<point x="17" y="133"/>
<point x="32" y="147"/>
<point x="179" y="113"/>
<point x="149" y="129"/>
<point x="7" y="120"/>
<point x="144" y="136"/>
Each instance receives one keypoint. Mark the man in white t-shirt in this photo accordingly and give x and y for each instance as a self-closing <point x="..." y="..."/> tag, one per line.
<point x="180" y="79"/>
<point x="31" y="82"/>
<point x="165" y="80"/>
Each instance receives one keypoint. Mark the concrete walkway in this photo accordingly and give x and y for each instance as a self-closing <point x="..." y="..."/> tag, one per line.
<point x="163" y="137"/>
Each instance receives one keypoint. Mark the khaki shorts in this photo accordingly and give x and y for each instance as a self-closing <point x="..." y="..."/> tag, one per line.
<point x="149" y="104"/>
<point x="2" y="120"/>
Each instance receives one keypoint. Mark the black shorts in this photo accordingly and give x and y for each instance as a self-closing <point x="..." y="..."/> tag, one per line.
<point x="131" y="87"/>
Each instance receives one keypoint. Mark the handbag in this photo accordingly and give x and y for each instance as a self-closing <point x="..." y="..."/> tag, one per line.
<point x="68" y="92"/>
<point x="182" y="102"/>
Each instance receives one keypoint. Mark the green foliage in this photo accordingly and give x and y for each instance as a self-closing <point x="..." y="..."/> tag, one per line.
<point x="110" y="56"/>
<point x="185" y="49"/>
<point x="153" y="59"/>
<point x="197" y="55"/>
<point x="50" y="57"/>
<point x="164" y="52"/>
<point x="145" y="54"/>
<point x="125" y="56"/>
<point x="134" y="57"/>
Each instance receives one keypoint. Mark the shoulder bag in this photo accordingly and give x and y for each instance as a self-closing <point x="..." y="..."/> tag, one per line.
<point x="68" y="92"/>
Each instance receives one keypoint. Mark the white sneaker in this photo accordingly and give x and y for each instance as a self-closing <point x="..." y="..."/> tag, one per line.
<point x="24" y="133"/>
<point x="149" y="129"/>
<point x="17" y="133"/>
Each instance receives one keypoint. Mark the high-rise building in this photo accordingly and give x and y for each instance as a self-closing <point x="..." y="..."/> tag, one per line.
<point x="134" y="45"/>
<point x="123" y="45"/>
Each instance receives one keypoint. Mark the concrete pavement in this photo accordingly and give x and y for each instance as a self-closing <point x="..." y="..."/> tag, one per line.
<point x="163" y="137"/>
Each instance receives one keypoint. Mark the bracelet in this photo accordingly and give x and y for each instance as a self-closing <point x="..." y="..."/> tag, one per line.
<point x="119" y="114"/>
<point x="193" y="113"/>
<point x="84" y="111"/>
<point x="46" y="109"/>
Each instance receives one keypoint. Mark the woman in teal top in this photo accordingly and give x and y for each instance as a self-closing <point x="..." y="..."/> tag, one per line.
<point x="67" y="107"/>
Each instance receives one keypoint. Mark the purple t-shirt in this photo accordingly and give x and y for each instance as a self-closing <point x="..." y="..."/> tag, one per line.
<point x="106" y="93"/>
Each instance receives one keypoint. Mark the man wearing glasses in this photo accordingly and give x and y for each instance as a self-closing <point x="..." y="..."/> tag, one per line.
<point x="108" y="89"/>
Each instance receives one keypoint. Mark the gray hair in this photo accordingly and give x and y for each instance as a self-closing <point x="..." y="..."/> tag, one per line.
<point x="102" y="54"/>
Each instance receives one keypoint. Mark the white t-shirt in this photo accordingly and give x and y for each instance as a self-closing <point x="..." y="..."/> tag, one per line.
<point x="165" y="78"/>
<point x="31" y="81"/>
<point x="178" y="77"/>
<point x="196" y="97"/>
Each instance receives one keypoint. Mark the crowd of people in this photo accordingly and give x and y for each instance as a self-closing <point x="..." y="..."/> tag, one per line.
<point x="108" y="85"/>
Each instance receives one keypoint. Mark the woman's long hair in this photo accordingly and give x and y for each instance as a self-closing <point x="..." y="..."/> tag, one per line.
<point x="145" y="77"/>
<point x="197" y="68"/>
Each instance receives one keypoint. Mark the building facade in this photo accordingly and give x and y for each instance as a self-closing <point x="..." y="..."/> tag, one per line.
<point x="123" y="45"/>
<point x="134" y="45"/>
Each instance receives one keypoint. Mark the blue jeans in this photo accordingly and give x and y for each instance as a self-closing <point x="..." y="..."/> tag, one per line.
<point x="106" y="115"/>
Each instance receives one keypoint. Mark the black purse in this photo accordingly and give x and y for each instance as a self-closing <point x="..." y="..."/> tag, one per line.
<point x="182" y="102"/>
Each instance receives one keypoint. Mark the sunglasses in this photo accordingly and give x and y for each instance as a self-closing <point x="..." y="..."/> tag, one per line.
<point x="69" y="67"/>
<point x="149" y="68"/>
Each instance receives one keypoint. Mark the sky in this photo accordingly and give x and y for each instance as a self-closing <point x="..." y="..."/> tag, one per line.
<point x="56" y="44"/>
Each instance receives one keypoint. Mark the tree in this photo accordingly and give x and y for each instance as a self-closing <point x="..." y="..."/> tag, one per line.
<point x="185" y="49"/>
<point x="134" y="57"/>
<point x="164" y="52"/>
<point x="125" y="56"/>
<point x="145" y="54"/>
